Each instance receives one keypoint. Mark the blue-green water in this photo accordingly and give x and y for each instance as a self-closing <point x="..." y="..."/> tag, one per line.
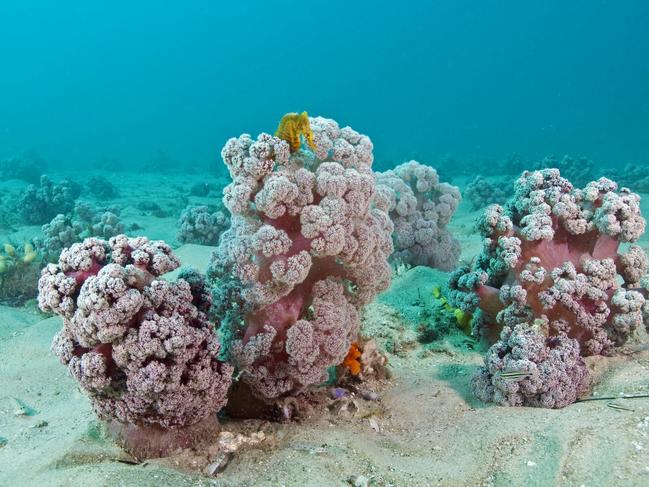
<point x="113" y="116"/>
<point x="82" y="82"/>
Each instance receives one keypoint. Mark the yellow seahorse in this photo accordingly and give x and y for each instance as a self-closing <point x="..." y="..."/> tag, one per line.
<point x="292" y="127"/>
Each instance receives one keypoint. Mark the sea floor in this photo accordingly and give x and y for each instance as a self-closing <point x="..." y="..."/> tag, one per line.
<point x="425" y="429"/>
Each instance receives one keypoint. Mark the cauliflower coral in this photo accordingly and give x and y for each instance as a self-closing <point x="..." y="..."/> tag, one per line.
<point x="420" y="208"/>
<point x="306" y="249"/>
<point x="140" y="347"/>
<point x="552" y="284"/>
<point x="201" y="225"/>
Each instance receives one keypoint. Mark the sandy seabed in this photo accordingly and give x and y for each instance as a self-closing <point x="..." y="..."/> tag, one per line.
<point x="425" y="429"/>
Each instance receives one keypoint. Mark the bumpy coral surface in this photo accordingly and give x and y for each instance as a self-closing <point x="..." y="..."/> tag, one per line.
<point x="526" y="368"/>
<point x="102" y="188"/>
<point x="200" y="225"/>
<point x="64" y="230"/>
<point x="634" y="176"/>
<point x="305" y="251"/>
<point x="420" y="208"/>
<point x="482" y="193"/>
<point x="140" y="347"/>
<point x="39" y="204"/>
<point x="58" y="234"/>
<point x="105" y="225"/>
<point x="552" y="255"/>
<point x="25" y="167"/>
<point x="578" y="169"/>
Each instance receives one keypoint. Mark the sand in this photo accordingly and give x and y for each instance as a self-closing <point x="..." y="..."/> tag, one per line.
<point x="425" y="429"/>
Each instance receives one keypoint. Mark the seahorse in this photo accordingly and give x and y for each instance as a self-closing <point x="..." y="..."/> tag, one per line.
<point x="292" y="127"/>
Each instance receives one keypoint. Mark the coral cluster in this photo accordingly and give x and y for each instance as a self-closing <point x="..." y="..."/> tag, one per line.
<point x="200" y="225"/>
<point x="102" y="188"/>
<point x="551" y="282"/>
<point x="58" y="234"/>
<point x="140" y="347"/>
<point x="24" y="167"/>
<point x="511" y="164"/>
<point x="420" y="208"/>
<point x="578" y="170"/>
<point x="634" y="176"/>
<point x="39" y="204"/>
<point x="85" y="221"/>
<point x="200" y="189"/>
<point x="148" y="207"/>
<point x="527" y="367"/>
<point x="105" y="225"/>
<point x="305" y="250"/>
<point x="8" y="216"/>
<point x="482" y="193"/>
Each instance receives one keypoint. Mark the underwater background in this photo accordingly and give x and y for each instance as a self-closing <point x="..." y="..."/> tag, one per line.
<point x="410" y="342"/>
<point x="87" y="82"/>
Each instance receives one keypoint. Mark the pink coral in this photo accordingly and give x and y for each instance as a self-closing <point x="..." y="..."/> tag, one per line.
<point x="305" y="250"/>
<point x="140" y="347"/>
<point x="420" y="208"/>
<point x="552" y="254"/>
<point x="525" y="368"/>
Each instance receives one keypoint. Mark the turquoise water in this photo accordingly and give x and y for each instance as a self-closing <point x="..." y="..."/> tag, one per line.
<point x="83" y="82"/>
<point x="280" y="311"/>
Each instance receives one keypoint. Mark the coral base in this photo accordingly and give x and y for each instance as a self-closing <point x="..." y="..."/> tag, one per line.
<point x="155" y="442"/>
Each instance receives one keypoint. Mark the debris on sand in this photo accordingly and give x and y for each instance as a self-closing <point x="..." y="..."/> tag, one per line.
<point x="227" y="445"/>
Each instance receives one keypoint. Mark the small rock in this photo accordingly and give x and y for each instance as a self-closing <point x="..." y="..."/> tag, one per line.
<point x="23" y="409"/>
<point x="337" y="392"/>
<point x="228" y="444"/>
<point x="359" y="481"/>
<point x="3" y="441"/>
<point x="530" y="463"/>
<point x="218" y="464"/>
<point x="369" y="395"/>
<point x="344" y="405"/>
